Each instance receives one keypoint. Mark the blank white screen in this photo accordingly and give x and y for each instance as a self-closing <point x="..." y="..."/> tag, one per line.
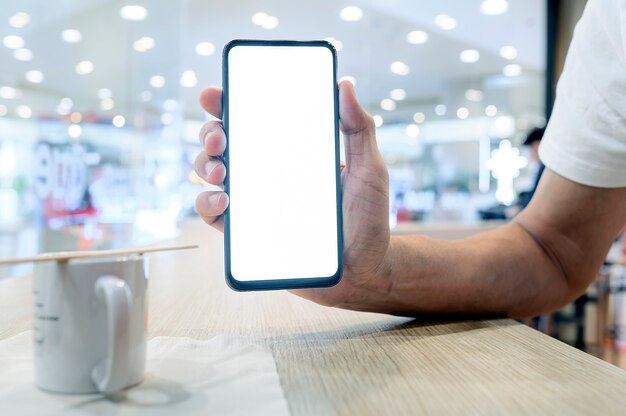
<point x="281" y="138"/>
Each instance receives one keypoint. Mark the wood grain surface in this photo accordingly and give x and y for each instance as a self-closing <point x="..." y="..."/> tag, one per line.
<point x="339" y="362"/>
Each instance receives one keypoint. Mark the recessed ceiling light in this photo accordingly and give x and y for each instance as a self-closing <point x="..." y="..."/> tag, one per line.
<point x="445" y="22"/>
<point x="399" y="68"/>
<point x="349" y="78"/>
<point x="512" y="70"/>
<point x="65" y="106"/>
<point x="107" y="104"/>
<point x="104" y="93"/>
<point x="494" y="7"/>
<point x="3" y="110"/>
<point x="271" y="22"/>
<point x="378" y="120"/>
<point x="259" y="17"/>
<point x="9" y="93"/>
<point x="491" y="110"/>
<point x="388" y="104"/>
<point x="412" y="130"/>
<point x="469" y="56"/>
<point x="23" y="54"/>
<point x="508" y="52"/>
<point x="397" y="94"/>
<point x="335" y="42"/>
<point x="84" y="67"/>
<point x="34" y="76"/>
<point x="71" y="36"/>
<point x="24" y="111"/>
<point x="119" y="121"/>
<point x="419" y="117"/>
<point x="351" y="14"/>
<point x="74" y="131"/>
<point x="441" y="109"/>
<point x="462" y="113"/>
<point x="417" y="37"/>
<point x="19" y="20"/>
<point x="133" y="12"/>
<point x="13" y="41"/>
<point x="188" y="79"/>
<point x="205" y="49"/>
<point x="143" y="44"/>
<point x="157" y="81"/>
<point x="474" y="95"/>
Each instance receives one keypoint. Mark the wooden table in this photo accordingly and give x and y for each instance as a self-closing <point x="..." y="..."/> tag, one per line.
<point x="339" y="362"/>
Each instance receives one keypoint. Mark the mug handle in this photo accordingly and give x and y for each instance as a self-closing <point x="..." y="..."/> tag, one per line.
<point x="110" y="374"/>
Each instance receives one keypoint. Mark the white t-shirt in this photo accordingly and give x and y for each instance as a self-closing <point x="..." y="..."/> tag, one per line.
<point x="585" y="140"/>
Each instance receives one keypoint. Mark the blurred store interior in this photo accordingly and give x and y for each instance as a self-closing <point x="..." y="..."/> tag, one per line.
<point x="99" y="113"/>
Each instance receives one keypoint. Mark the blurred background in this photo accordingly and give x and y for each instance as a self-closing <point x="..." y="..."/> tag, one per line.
<point x="99" y="114"/>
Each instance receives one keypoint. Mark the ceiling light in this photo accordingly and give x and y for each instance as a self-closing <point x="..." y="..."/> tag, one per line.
<point x="399" y="68"/>
<point x="188" y="79"/>
<point x="145" y="96"/>
<point x="119" y="121"/>
<point x="71" y="36"/>
<point x="24" y="111"/>
<point x="378" y="120"/>
<point x="65" y="106"/>
<point x="271" y="22"/>
<point x="205" y="49"/>
<point x="417" y="37"/>
<point x="351" y="14"/>
<point x="13" y="41"/>
<point x="84" y="67"/>
<point x="8" y="93"/>
<point x="512" y="70"/>
<point x="349" y="78"/>
<point x="441" y="110"/>
<point x="170" y="105"/>
<point x="34" y="76"/>
<point x="19" y="20"/>
<point x="474" y="95"/>
<point x="74" y="131"/>
<point x="508" y="52"/>
<point x="167" y="119"/>
<point x="104" y="93"/>
<point x="259" y="18"/>
<point x="133" y="12"/>
<point x="419" y="117"/>
<point x="491" y="110"/>
<point x="412" y="130"/>
<point x="462" y="113"/>
<point x="157" y="81"/>
<point x="445" y="22"/>
<point x="469" y="56"/>
<point x="388" y="104"/>
<point x="335" y="42"/>
<point x="143" y="44"/>
<point x="494" y="7"/>
<point x="107" y="104"/>
<point x="397" y="94"/>
<point x="23" y="54"/>
<point x="3" y="110"/>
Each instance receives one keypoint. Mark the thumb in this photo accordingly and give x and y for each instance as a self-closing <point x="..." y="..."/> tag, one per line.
<point x="356" y="125"/>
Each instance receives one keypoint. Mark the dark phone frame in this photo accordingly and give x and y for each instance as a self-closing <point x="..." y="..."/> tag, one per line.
<point x="277" y="284"/>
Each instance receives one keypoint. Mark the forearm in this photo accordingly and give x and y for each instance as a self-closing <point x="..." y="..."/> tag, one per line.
<point x="503" y="272"/>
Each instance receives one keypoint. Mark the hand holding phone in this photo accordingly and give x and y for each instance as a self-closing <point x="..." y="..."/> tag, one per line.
<point x="365" y="200"/>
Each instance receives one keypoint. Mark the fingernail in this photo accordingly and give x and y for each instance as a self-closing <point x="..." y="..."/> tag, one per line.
<point x="214" y="199"/>
<point x="208" y="169"/>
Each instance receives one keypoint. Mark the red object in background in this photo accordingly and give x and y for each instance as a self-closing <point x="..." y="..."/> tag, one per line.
<point x="624" y="242"/>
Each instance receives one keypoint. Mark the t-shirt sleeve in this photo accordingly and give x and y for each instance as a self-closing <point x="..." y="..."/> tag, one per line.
<point x="585" y="140"/>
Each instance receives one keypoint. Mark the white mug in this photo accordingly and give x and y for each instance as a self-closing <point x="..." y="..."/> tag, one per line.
<point x="90" y="324"/>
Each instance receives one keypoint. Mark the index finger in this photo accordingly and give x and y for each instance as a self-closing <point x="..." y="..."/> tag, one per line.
<point x="211" y="101"/>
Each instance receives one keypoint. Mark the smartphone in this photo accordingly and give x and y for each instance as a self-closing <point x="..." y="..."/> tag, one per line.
<point x="282" y="229"/>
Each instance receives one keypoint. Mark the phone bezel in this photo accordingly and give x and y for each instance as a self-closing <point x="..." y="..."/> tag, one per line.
<point x="277" y="284"/>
